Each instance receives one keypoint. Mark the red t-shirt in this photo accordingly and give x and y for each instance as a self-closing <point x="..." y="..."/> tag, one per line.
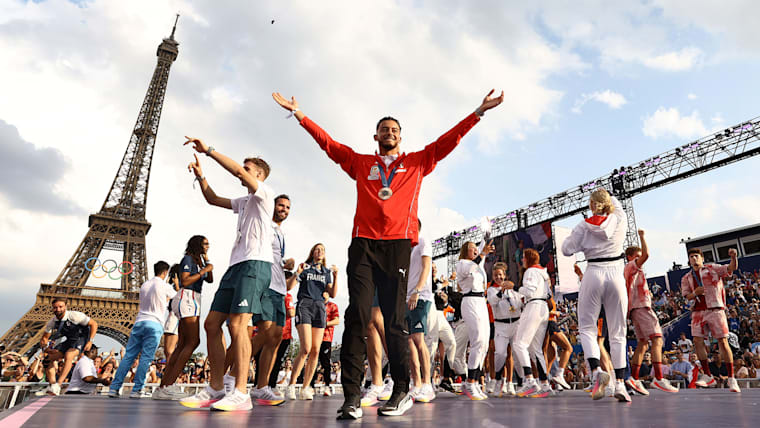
<point x="287" y="330"/>
<point x="396" y="217"/>
<point x="331" y="312"/>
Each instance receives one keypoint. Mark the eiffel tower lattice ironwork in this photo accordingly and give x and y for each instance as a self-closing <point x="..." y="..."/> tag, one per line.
<point x="120" y="225"/>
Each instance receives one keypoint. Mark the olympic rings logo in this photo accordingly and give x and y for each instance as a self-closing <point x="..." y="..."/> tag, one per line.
<point x="117" y="267"/>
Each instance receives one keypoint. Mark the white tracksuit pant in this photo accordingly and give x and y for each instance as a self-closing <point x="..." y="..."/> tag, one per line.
<point x="603" y="285"/>
<point x="504" y="334"/>
<point x="475" y="316"/>
<point x="529" y="338"/>
<point x="462" y="339"/>
<point x="439" y="328"/>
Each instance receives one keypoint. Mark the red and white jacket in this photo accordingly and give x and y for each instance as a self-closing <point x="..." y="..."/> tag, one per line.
<point x="396" y="217"/>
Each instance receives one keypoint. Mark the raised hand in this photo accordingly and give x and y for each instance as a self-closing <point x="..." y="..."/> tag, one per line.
<point x="198" y="145"/>
<point x="641" y="233"/>
<point x="334" y="270"/>
<point x="489" y="248"/>
<point x="491" y="102"/>
<point x="289" y="264"/>
<point x="195" y="167"/>
<point x="288" y="104"/>
<point x="732" y="252"/>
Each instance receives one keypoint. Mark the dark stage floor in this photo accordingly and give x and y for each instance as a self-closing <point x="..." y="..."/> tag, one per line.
<point x="692" y="408"/>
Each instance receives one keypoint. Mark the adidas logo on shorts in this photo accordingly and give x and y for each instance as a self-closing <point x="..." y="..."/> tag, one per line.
<point x="243" y="303"/>
<point x="419" y="325"/>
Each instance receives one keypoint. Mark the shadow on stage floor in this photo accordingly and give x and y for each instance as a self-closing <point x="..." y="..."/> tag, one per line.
<point x="692" y="408"/>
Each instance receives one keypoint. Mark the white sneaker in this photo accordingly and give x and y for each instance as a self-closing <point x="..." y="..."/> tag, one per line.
<point x="664" y="385"/>
<point x="138" y="394"/>
<point x="491" y="386"/>
<point x="387" y="390"/>
<point x="266" y="397"/>
<point x="171" y="392"/>
<point x="560" y="381"/>
<point x="205" y="398"/>
<point x="609" y="391"/>
<point x="511" y="388"/>
<point x="637" y="386"/>
<point x="113" y="394"/>
<point x="52" y="389"/>
<point x="291" y="392"/>
<point x="705" y="381"/>
<point x="621" y="393"/>
<point x="544" y="391"/>
<point x="472" y="391"/>
<point x="371" y="395"/>
<point x="327" y="391"/>
<point x="599" y="384"/>
<point x="229" y="383"/>
<point x="733" y="385"/>
<point x="530" y="386"/>
<point x="425" y="393"/>
<point x="307" y="393"/>
<point x="235" y="401"/>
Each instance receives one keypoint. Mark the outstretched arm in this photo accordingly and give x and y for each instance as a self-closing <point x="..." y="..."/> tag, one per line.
<point x="290" y="105"/>
<point x="339" y="153"/>
<point x="208" y="193"/>
<point x="644" y="250"/>
<point x="234" y="168"/>
<point x="441" y="147"/>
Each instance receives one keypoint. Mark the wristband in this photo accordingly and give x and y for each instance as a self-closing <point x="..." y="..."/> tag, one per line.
<point x="479" y="112"/>
<point x="209" y="150"/>
<point x="292" y="113"/>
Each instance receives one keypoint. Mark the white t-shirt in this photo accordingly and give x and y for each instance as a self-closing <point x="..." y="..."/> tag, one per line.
<point x="277" y="283"/>
<point x="154" y="296"/>
<point x="75" y="317"/>
<point x="254" y="226"/>
<point x="422" y="249"/>
<point x="85" y="367"/>
<point x="685" y="345"/>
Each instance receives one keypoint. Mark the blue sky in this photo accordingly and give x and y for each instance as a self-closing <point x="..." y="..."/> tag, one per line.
<point x="589" y="86"/>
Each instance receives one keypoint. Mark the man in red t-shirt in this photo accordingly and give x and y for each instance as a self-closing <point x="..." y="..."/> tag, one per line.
<point x="332" y="315"/>
<point x="385" y="229"/>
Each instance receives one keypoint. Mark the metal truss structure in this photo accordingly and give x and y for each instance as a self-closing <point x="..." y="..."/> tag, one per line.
<point x="713" y="151"/>
<point x="120" y="225"/>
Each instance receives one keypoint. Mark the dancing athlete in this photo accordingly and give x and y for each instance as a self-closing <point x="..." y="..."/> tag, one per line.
<point x="645" y="322"/>
<point x="385" y="228"/>
<point x="600" y="238"/>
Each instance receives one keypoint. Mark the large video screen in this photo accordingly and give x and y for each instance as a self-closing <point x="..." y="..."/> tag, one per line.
<point x="509" y="249"/>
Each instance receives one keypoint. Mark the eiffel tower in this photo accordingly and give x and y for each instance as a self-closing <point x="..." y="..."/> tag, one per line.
<point x="120" y="225"/>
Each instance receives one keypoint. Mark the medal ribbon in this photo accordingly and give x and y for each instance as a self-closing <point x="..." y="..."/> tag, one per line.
<point x="387" y="181"/>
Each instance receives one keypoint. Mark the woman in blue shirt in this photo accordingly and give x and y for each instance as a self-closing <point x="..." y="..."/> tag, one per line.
<point x="315" y="279"/>
<point x="194" y="270"/>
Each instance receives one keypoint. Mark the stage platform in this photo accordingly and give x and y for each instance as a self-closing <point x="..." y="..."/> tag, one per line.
<point x="691" y="408"/>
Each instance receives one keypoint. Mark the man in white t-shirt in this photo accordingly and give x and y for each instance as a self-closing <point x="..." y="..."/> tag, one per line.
<point x="685" y="345"/>
<point x="419" y="299"/>
<point x="244" y="285"/>
<point x="85" y="378"/>
<point x="147" y="331"/>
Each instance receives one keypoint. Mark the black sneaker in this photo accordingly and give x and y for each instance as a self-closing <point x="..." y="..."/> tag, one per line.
<point x="397" y="405"/>
<point x="349" y="411"/>
<point x="446" y="386"/>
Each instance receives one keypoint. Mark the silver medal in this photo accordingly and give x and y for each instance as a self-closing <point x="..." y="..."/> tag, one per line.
<point x="385" y="193"/>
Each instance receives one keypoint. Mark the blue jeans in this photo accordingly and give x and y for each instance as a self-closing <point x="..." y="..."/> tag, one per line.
<point x="144" y="340"/>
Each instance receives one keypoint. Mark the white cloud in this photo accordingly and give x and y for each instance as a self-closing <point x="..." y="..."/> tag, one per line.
<point x="611" y="99"/>
<point x="692" y="97"/>
<point x="682" y="60"/>
<point x="223" y="101"/>
<point x="669" y="122"/>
